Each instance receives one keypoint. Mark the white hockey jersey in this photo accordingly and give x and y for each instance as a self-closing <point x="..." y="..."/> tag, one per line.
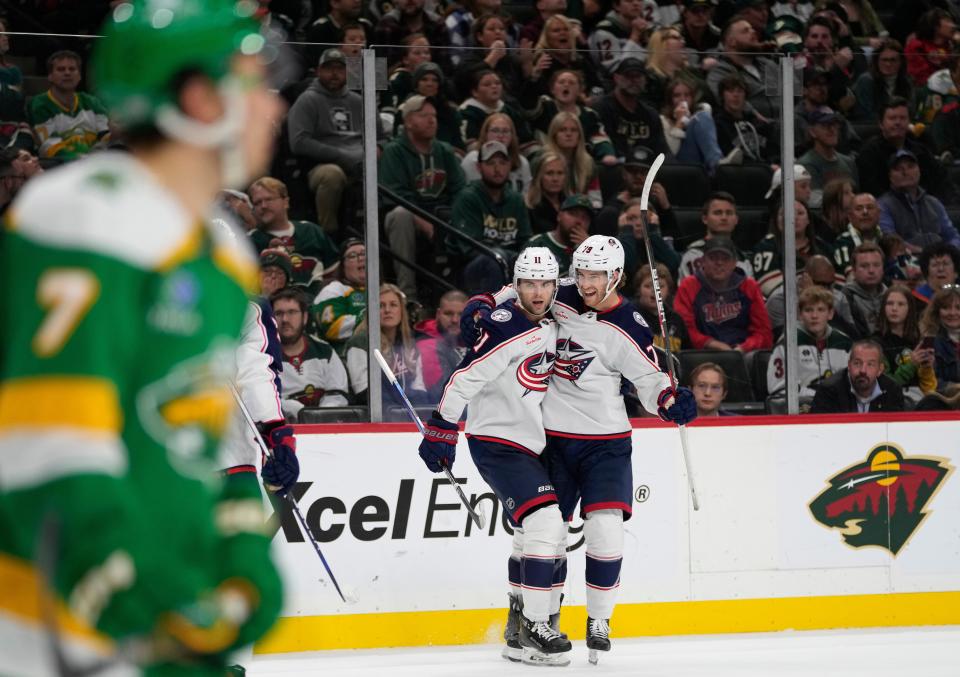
<point x="503" y="378"/>
<point x="258" y="380"/>
<point x="314" y="378"/>
<point x="594" y="352"/>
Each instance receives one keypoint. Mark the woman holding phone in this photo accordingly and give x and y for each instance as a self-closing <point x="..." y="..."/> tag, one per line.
<point x="907" y="357"/>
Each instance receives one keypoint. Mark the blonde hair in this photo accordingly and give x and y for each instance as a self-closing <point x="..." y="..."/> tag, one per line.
<point x="513" y="148"/>
<point x="409" y="346"/>
<point x="271" y="185"/>
<point x="814" y="295"/>
<point x="656" y="49"/>
<point x="930" y="323"/>
<point x="663" y="275"/>
<point x="542" y="46"/>
<point x="535" y="191"/>
<point x="580" y="171"/>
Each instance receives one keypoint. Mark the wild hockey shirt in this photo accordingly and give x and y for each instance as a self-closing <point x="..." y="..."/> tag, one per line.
<point x="503" y="379"/>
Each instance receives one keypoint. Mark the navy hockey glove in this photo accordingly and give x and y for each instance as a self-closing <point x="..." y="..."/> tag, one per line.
<point x="281" y="470"/>
<point x="439" y="446"/>
<point x="682" y="410"/>
<point x="477" y="307"/>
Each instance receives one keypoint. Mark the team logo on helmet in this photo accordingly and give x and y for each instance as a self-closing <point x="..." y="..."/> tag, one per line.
<point x="501" y="315"/>
<point x="880" y="502"/>
<point x="572" y="359"/>
<point x="534" y="372"/>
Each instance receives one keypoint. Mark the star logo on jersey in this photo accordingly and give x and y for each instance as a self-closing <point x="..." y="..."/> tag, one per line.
<point x="572" y="359"/>
<point x="534" y="372"/>
<point x="880" y="502"/>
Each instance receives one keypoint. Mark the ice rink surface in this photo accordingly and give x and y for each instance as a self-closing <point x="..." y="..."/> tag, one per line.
<point x="897" y="652"/>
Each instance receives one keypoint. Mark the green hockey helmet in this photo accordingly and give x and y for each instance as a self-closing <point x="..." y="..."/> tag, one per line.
<point x="147" y="44"/>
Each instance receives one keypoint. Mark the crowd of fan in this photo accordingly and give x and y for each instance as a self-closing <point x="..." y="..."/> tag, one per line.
<point x="536" y="126"/>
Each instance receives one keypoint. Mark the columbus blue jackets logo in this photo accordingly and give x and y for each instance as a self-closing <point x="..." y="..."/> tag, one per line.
<point x="534" y="372"/>
<point x="880" y="502"/>
<point x="572" y="359"/>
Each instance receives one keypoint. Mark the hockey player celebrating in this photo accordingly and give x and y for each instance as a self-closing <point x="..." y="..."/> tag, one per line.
<point x="503" y="378"/>
<point x="602" y="339"/>
<point x="119" y="313"/>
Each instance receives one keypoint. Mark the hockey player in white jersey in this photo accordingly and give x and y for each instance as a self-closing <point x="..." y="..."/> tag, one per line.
<point x="503" y="379"/>
<point x="602" y="339"/>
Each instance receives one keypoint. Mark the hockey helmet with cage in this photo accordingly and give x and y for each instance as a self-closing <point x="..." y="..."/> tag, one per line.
<point x="601" y="253"/>
<point x="536" y="263"/>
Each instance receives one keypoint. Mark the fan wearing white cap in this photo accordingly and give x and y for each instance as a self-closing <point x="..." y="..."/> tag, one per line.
<point x="801" y="185"/>
<point x="503" y="379"/>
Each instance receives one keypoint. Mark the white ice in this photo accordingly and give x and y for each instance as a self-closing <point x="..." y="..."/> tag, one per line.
<point x="918" y="652"/>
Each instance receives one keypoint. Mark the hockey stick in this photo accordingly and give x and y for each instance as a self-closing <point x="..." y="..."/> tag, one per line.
<point x="477" y="516"/>
<point x="289" y="497"/>
<point x="661" y="313"/>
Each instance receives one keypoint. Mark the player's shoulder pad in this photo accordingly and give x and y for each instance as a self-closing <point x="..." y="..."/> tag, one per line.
<point x="629" y="321"/>
<point x="106" y="204"/>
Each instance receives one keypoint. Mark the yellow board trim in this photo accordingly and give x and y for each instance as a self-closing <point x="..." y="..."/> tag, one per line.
<point x="31" y="402"/>
<point x="484" y="626"/>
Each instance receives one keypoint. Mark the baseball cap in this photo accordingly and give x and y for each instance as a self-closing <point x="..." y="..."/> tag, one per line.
<point x="491" y="148"/>
<point x="632" y="163"/>
<point x="800" y="173"/>
<point x="813" y="74"/>
<point x="277" y="258"/>
<point x="627" y="63"/>
<point x="332" y="55"/>
<point x="823" y="116"/>
<point x="239" y="194"/>
<point x="426" y="68"/>
<point x="720" y="244"/>
<point x="902" y="154"/>
<point x="577" y="201"/>
<point x="787" y="23"/>
<point x="412" y="105"/>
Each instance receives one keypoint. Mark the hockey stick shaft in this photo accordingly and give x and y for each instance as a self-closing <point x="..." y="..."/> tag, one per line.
<point x="662" y="316"/>
<point x="388" y="372"/>
<point x="293" y="503"/>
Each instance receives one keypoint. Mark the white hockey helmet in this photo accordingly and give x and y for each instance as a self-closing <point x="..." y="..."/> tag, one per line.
<point x="536" y="263"/>
<point x="600" y="252"/>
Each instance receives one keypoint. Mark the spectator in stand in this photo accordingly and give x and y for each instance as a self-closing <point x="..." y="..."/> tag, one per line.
<point x="908" y="210"/>
<point x="821" y="52"/>
<point x="276" y="271"/>
<point x="547" y="191"/>
<point x="312" y="375"/>
<point x="905" y="359"/>
<point x="948" y="400"/>
<point x="623" y="31"/>
<point x="634" y="175"/>
<point x="941" y="320"/>
<point x="939" y="264"/>
<point x="353" y="42"/>
<point x="399" y="350"/>
<point x="461" y="21"/>
<point x="423" y="170"/>
<point x="428" y="81"/>
<point x="708" y="381"/>
<point x="667" y="61"/>
<point x="67" y="123"/>
<point x="490" y="52"/>
<point x="689" y="130"/>
<point x="409" y="16"/>
<point x="863" y="226"/>
<point x="573" y="227"/>
<point x="633" y="126"/>
<point x="238" y="205"/>
<point x="491" y="212"/>
<point x="819" y="272"/>
<point x="499" y="127"/>
<point x="900" y="265"/>
<point x="941" y="89"/>
<point x="886" y="79"/>
<point x="946" y="120"/>
<point x="816" y="97"/>
<point x="17" y="166"/>
<point x="486" y="98"/>
<point x="931" y="46"/>
<point x="860" y="388"/>
<point x="864" y="25"/>
<point x="565" y="138"/>
<point x="757" y="13"/>
<point x="698" y="33"/>
<point x="740" y="57"/>
<point x="867" y="288"/>
<point x="544" y="9"/>
<point x="822" y="350"/>
<point x="630" y="234"/>
<point x="823" y="161"/>
<point x="873" y="159"/>
<point x="647" y="305"/>
<point x="720" y="218"/>
<point x="330" y="29"/>
<point x="723" y="308"/>
<point x="312" y="253"/>
<point x="342" y="303"/>
<point x="740" y="127"/>
<point x="415" y="51"/>
<point x="556" y="49"/>
<point x="837" y="200"/>
<point x="325" y="126"/>
<point x="768" y="254"/>
<point x="441" y="346"/>
<point x="15" y="131"/>
<point x="566" y="95"/>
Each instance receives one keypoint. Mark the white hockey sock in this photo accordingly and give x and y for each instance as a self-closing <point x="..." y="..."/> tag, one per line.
<point x="514" y="571"/>
<point x="603" y="538"/>
<point x="543" y="531"/>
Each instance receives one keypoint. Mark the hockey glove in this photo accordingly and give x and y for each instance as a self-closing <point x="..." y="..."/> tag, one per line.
<point x="477" y="307"/>
<point x="439" y="446"/>
<point x="281" y="470"/>
<point x="677" y="405"/>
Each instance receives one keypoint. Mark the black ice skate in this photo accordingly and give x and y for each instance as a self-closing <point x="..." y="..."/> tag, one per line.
<point x="542" y="645"/>
<point x="598" y="638"/>
<point x="513" y="651"/>
<point x="555" y="620"/>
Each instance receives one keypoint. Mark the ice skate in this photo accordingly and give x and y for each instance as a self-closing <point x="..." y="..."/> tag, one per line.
<point x="511" y="633"/>
<point x="542" y="645"/>
<point x="598" y="638"/>
<point x="555" y="620"/>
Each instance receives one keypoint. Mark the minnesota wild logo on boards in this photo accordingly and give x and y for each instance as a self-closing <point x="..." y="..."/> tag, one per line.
<point x="880" y="502"/>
